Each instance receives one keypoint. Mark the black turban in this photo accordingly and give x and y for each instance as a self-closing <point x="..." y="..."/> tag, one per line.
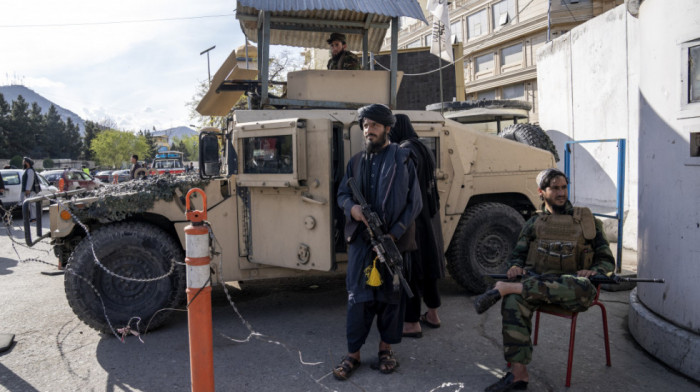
<point x="29" y="161"/>
<point x="547" y="175"/>
<point x="376" y="112"/>
<point x="402" y="130"/>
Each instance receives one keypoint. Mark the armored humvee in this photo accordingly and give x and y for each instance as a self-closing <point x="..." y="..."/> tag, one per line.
<point x="270" y="179"/>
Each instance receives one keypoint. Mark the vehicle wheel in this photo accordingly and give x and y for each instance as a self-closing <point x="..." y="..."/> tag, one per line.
<point x="140" y="173"/>
<point x="482" y="243"/>
<point x="532" y="135"/>
<point x="137" y="250"/>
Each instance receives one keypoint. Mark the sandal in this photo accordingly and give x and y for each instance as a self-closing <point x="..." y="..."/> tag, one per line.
<point x="424" y="319"/>
<point x="346" y="367"/>
<point x="387" y="361"/>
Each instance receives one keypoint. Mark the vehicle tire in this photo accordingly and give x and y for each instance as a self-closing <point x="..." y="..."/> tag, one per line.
<point x="140" y="173"/>
<point x="482" y="243"/>
<point x="137" y="250"/>
<point x="532" y="135"/>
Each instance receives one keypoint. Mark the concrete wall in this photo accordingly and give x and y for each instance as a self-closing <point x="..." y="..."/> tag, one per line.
<point x="583" y="95"/>
<point x="669" y="198"/>
<point x="618" y="76"/>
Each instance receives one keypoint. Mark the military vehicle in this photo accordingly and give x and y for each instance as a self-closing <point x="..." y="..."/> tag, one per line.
<point x="270" y="179"/>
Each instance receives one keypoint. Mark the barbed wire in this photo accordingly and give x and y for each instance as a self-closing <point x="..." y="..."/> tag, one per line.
<point x="133" y="325"/>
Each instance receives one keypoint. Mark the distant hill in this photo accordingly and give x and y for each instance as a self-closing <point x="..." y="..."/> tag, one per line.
<point x="178" y="132"/>
<point x="11" y="93"/>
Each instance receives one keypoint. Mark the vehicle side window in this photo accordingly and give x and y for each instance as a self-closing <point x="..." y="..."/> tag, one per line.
<point x="11" y="178"/>
<point x="433" y="144"/>
<point x="268" y="154"/>
<point x="85" y="176"/>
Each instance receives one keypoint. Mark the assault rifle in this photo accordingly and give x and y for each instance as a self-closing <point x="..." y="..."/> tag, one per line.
<point x="385" y="247"/>
<point x="595" y="279"/>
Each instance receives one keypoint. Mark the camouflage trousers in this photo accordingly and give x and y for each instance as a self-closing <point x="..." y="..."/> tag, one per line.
<point x="567" y="291"/>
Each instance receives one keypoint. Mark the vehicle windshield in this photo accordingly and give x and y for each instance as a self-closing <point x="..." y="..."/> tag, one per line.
<point x="167" y="164"/>
<point x="11" y="178"/>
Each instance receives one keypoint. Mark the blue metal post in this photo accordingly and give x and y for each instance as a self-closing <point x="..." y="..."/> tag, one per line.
<point x="621" y="147"/>
<point x="620" y="202"/>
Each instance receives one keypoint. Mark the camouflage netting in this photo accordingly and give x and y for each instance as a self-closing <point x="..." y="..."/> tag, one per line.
<point x="119" y="201"/>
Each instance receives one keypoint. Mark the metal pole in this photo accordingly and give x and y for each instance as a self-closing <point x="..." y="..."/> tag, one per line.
<point x="440" y="32"/>
<point x="620" y="199"/>
<point x="208" y="67"/>
<point x="549" y="20"/>
<point x="365" y="46"/>
<point x="394" y="61"/>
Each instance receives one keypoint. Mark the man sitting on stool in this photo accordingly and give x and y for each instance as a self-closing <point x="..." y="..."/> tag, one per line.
<point x="564" y="245"/>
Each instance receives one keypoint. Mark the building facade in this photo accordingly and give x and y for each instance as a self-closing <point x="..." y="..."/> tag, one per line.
<point x="499" y="39"/>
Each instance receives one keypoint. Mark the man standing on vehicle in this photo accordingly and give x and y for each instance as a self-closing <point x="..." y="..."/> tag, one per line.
<point x="564" y="245"/>
<point x="135" y="165"/>
<point x="340" y="57"/>
<point x="387" y="178"/>
<point x="30" y="185"/>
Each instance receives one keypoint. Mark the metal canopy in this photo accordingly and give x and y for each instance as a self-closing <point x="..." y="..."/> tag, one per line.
<point x="308" y="23"/>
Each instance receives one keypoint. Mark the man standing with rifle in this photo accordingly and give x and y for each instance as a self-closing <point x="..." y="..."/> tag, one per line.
<point x="385" y="177"/>
<point x="564" y="245"/>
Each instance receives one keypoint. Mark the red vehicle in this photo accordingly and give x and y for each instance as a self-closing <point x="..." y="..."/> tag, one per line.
<point x="73" y="179"/>
<point x="168" y="162"/>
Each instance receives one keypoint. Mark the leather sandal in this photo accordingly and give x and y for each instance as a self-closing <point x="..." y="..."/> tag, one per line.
<point x="346" y="367"/>
<point x="387" y="361"/>
<point x="424" y="319"/>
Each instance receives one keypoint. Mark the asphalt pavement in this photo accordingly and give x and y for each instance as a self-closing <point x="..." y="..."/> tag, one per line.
<point x="290" y="336"/>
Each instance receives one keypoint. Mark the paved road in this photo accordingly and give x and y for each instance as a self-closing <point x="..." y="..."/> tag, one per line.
<point x="301" y="323"/>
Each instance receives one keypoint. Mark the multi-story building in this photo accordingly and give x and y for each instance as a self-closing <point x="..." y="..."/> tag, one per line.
<point x="499" y="39"/>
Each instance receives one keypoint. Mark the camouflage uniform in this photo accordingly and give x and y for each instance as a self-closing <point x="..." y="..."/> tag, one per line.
<point x="567" y="291"/>
<point x="344" y="61"/>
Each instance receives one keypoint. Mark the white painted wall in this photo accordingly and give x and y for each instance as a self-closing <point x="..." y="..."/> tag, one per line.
<point x="621" y="76"/>
<point x="669" y="181"/>
<point x="584" y="95"/>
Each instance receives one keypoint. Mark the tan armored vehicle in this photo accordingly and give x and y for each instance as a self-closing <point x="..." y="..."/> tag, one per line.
<point x="270" y="180"/>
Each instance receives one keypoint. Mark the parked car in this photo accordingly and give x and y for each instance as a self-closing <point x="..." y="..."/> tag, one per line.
<point x="122" y="175"/>
<point x="13" y="188"/>
<point x="74" y="179"/>
<point x="104" y="175"/>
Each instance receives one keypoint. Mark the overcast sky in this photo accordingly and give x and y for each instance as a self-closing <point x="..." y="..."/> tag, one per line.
<point x="136" y="62"/>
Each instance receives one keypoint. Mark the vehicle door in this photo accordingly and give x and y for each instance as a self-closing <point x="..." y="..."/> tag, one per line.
<point x="13" y="185"/>
<point x="285" y="186"/>
<point x="85" y="180"/>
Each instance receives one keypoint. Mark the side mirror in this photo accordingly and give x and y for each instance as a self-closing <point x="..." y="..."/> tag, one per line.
<point x="209" y="159"/>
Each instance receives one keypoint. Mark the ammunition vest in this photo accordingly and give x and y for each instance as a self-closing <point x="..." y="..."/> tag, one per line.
<point x="562" y="243"/>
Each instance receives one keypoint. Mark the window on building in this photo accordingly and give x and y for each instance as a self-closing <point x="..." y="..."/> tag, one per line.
<point x="488" y="94"/>
<point x="484" y="63"/>
<point x="477" y="24"/>
<point x="427" y="39"/>
<point x="413" y="44"/>
<point x="503" y="13"/>
<point x="694" y="74"/>
<point x="512" y="55"/>
<point x="514" y="91"/>
<point x="456" y="30"/>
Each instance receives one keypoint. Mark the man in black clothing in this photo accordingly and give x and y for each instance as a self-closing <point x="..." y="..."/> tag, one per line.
<point x="135" y="165"/>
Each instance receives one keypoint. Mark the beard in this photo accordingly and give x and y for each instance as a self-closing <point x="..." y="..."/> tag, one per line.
<point x="556" y="208"/>
<point x="373" y="147"/>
